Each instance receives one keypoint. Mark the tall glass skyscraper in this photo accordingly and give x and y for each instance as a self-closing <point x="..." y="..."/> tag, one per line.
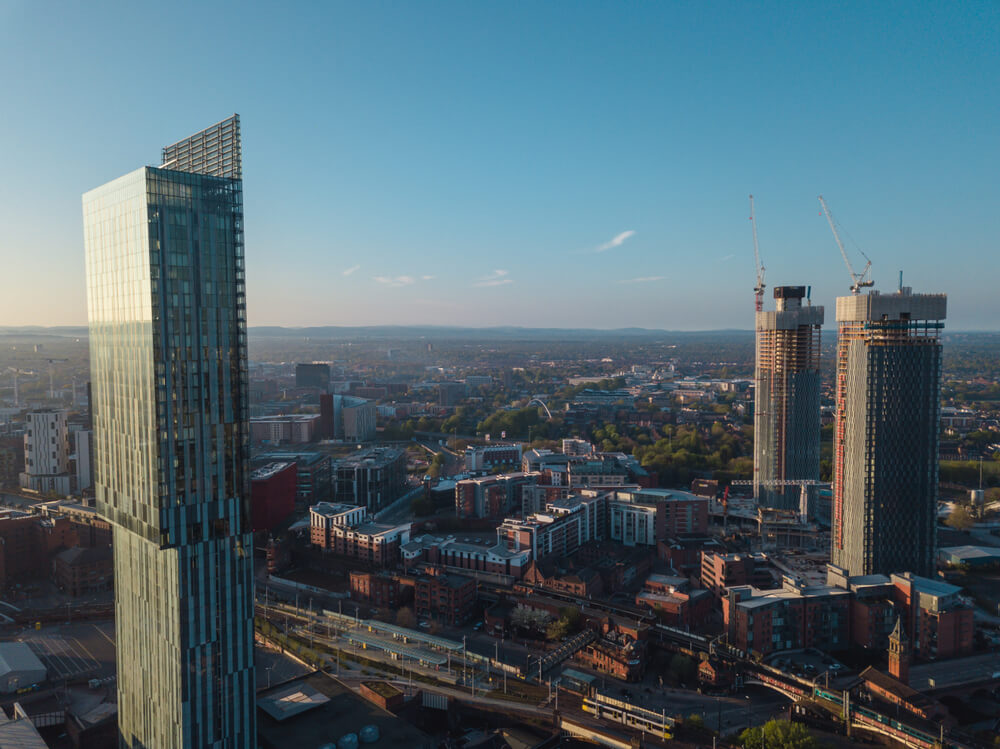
<point x="167" y="309"/>
<point x="885" y="443"/>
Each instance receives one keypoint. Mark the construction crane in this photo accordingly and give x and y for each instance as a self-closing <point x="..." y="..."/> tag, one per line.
<point x="52" y="392"/>
<point x="858" y="281"/>
<point x="758" y="290"/>
<point x="16" y="372"/>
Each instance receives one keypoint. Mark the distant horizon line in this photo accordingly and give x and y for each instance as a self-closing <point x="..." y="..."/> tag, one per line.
<point x="438" y="327"/>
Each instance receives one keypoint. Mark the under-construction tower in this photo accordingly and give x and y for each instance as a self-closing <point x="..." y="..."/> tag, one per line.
<point x="786" y="409"/>
<point x="885" y="449"/>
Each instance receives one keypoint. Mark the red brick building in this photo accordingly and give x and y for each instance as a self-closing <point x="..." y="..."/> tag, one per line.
<point x="939" y="623"/>
<point x="794" y="617"/>
<point x="583" y="583"/>
<point x="383" y="591"/>
<point x="344" y="530"/>
<point x="617" y="654"/>
<point x="672" y="600"/>
<point x="27" y="543"/>
<point x="79" y="571"/>
<point x="683" y="552"/>
<point x="272" y="494"/>
<point x="444" y="596"/>
<point x="721" y="571"/>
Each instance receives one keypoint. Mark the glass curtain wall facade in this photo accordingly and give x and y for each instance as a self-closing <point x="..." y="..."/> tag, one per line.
<point x="167" y="310"/>
<point x="786" y="398"/>
<point x="886" y="429"/>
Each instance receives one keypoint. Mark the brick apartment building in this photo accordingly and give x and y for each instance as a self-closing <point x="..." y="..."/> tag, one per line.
<point x="28" y="542"/>
<point x="938" y="622"/>
<point x="492" y="497"/>
<point x="720" y="571"/>
<point x="345" y="530"/>
<point x="673" y="601"/>
<point x="445" y="596"/>
<point x="80" y="571"/>
<point x="793" y="617"/>
<point x="495" y="558"/>
<point x="381" y="590"/>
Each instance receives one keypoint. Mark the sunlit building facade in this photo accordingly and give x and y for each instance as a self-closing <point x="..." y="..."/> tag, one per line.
<point x="786" y="392"/>
<point x="886" y="431"/>
<point x="166" y="302"/>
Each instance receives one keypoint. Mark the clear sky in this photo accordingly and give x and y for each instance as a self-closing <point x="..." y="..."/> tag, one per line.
<point x="572" y="164"/>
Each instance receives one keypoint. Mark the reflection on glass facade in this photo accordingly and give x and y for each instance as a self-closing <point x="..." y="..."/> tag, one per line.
<point x="167" y="308"/>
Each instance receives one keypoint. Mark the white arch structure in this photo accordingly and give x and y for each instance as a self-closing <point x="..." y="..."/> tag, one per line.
<point x="541" y="403"/>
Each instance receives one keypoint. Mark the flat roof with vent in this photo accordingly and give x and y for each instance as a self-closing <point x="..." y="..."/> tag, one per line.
<point x="318" y="709"/>
<point x="291" y="700"/>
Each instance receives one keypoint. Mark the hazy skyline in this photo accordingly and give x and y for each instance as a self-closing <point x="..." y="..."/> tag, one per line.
<point x="548" y="165"/>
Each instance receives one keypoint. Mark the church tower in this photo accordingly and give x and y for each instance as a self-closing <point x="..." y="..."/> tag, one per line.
<point x="899" y="653"/>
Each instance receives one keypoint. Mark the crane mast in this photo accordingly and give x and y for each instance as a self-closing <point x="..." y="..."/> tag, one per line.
<point x="758" y="290"/>
<point x="858" y="281"/>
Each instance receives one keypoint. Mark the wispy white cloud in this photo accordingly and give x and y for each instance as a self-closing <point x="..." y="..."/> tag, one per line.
<point x="395" y="281"/>
<point x="427" y="278"/>
<point x="643" y="279"/>
<point x="730" y="256"/>
<point x="496" y="278"/>
<point x="352" y="269"/>
<point x="617" y="241"/>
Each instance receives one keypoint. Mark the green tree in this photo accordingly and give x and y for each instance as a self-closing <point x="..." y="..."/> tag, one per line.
<point x="694" y="720"/>
<point x="557" y="630"/>
<point x="960" y="518"/>
<point x="406" y="618"/>
<point x="779" y="734"/>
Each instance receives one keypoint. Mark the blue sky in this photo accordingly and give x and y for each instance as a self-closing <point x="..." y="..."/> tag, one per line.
<point x="545" y="164"/>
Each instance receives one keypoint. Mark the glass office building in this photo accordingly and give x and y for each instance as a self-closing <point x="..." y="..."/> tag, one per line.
<point x="166" y="302"/>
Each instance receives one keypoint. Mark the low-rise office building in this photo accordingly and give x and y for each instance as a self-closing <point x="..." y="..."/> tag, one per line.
<point x="372" y="478"/>
<point x="272" y="494"/>
<point x="313" y="474"/>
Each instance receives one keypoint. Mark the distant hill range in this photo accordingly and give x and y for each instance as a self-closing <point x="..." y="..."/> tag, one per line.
<point x="432" y="332"/>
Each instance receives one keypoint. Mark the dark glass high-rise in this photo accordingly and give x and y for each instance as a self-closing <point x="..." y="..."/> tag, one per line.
<point x="168" y="351"/>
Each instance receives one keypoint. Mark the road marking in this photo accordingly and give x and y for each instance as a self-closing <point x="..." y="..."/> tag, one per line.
<point x="96" y="664"/>
<point x="105" y="636"/>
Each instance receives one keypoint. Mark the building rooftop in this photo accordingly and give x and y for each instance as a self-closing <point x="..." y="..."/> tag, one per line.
<point x="326" y="711"/>
<point x="84" y="555"/>
<point x="897" y="688"/>
<point x="927" y="585"/>
<point x="269" y="470"/>
<point x="17" y="656"/>
<point x="332" y="509"/>
<point x="19" y="732"/>
<point x="286" y="417"/>
<point x="759" y="598"/>
<point x="971" y="552"/>
<point x="372" y="457"/>
<point x="306" y="458"/>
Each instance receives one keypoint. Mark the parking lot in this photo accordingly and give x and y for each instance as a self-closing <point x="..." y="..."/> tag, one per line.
<point x="78" y="651"/>
<point x="809" y="664"/>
